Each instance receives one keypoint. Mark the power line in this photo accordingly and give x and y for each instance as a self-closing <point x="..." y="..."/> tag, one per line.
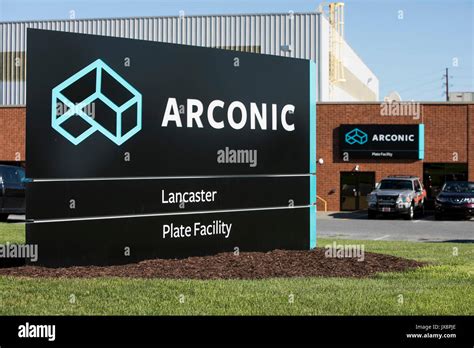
<point x="418" y="95"/>
<point x="419" y="85"/>
<point x="412" y="78"/>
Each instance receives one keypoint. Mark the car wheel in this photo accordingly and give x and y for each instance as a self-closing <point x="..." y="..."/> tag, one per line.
<point x="372" y="215"/>
<point x="438" y="216"/>
<point x="411" y="213"/>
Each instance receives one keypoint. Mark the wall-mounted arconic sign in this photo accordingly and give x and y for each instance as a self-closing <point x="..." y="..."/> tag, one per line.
<point x="387" y="141"/>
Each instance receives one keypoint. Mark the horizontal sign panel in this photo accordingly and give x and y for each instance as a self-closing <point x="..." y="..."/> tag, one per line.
<point x="388" y="141"/>
<point x="112" y="107"/>
<point x="125" y="240"/>
<point x="72" y="199"/>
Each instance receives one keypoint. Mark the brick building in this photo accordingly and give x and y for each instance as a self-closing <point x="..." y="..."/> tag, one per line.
<point x="12" y="133"/>
<point x="448" y="151"/>
<point x="342" y="185"/>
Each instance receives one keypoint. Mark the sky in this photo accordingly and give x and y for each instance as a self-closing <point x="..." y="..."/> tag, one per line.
<point x="408" y="44"/>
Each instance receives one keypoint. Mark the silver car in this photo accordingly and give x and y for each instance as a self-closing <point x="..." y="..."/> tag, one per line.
<point x="403" y="195"/>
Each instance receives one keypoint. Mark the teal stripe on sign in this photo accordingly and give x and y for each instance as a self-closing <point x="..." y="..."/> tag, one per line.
<point x="421" y="141"/>
<point x="312" y="117"/>
<point x="312" y="154"/>
<point x="312" y="212"/>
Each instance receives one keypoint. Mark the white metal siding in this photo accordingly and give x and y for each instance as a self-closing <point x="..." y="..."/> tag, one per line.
<point x="267" y="32"/>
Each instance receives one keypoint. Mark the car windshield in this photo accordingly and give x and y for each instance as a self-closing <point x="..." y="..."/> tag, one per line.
<point x="12" y="174"/>
<point x="459" y="187"/>
<point x="396" y="185"/>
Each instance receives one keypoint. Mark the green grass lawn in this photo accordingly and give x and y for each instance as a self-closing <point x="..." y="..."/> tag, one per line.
<point x="445" y="287"/>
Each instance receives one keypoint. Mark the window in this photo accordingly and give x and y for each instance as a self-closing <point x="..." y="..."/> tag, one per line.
<point x="252" y="49"/>
<point x="459" y="187"/>
<point x="396" y="185"/>
<point x="417" y="185"/>
<point x="12" y="175"/>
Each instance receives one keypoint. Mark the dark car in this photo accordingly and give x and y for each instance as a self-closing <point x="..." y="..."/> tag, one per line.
<point x="456" y="199"/>
<point x="12" y="191"/>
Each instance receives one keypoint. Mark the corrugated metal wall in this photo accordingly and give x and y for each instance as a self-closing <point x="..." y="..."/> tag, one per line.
<point x="261" y="33"/>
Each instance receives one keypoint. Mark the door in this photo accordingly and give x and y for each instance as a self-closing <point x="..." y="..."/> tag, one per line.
<point x="355" y="186"/>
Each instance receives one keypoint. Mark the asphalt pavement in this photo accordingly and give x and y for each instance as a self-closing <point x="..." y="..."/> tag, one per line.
<point x="356" y="225"/>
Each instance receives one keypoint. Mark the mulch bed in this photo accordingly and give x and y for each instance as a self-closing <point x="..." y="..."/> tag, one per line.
<point x="248" y="265"/>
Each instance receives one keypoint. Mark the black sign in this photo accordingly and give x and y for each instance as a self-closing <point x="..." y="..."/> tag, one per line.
<point x="96" y="198"/>
<point x="140" y="149"/>
<point x="112" y="107"/>
<point x="124" y="240"/>
<point x="389" y="141"/>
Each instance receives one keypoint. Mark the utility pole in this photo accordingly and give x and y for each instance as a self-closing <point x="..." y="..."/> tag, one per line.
<point x="447" y="85"/>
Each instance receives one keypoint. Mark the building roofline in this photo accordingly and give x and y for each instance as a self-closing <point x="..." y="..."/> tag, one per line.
<point x="335" y="103"/>
<point x="154" y="17"/>
<point x="402" y="102"/>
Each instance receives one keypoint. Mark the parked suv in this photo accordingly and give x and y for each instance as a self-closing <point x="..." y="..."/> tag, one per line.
<point x="12" y="191"/>
<point x="455" y="198"/>
<point x="397" y="194"/>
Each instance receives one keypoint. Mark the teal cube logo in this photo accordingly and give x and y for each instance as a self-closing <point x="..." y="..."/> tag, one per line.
<point x="356" y="136"/>
<point x="130" y="99"/>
